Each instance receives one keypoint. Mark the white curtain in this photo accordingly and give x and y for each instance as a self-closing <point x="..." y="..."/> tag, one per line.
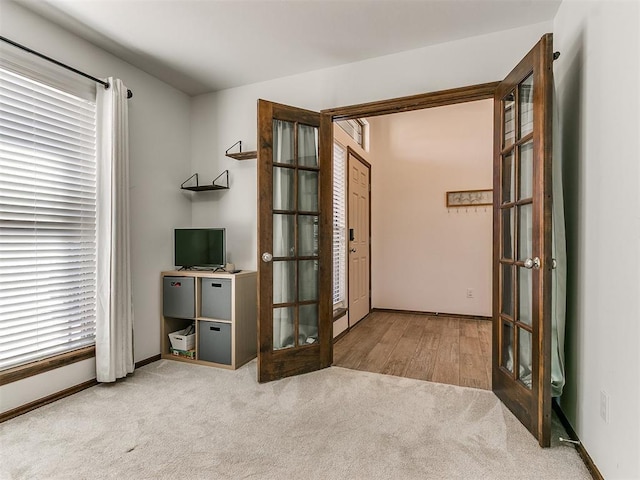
<point x="558" y="274"/>
<point x="283" y="271"/>
<point x="307" y="239"/>
<point x="114" y="316"/>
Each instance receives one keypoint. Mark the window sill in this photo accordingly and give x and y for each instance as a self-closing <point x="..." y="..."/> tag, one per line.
<point x="339" y="313"/>
<point x="35" y="368"/>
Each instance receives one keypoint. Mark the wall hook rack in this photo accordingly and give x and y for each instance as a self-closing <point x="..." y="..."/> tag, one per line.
<point x="240" y="155"/>
<point x="201" y="188"/>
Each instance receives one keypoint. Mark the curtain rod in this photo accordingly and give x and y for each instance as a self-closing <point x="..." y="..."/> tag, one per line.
<point x="60" y="64"/>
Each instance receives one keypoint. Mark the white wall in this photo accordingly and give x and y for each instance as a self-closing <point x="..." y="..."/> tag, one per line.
<point x="220" y="119"/>
<point x="159" y="126"/>
<point x="425" y="256"/>
<point x="597" y="78"/>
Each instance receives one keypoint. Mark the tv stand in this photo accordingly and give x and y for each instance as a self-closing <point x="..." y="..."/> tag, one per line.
<point x="223" y="307"/>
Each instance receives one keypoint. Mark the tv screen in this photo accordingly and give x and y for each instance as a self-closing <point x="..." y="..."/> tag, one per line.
<point x="200" y="247"/>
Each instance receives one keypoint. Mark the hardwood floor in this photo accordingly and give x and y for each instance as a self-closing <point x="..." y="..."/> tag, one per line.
<point x="440" y="349"/>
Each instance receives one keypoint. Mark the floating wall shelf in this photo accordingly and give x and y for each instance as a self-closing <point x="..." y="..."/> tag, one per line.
<point x="202" y="188"/>
<point x="241" y="155"/>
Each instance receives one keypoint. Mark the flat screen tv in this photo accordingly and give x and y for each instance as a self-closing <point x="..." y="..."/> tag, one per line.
<point x="200" y="247"/>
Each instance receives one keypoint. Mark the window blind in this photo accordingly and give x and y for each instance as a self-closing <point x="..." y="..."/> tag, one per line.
<point x="47" y="220"/>
<point x="339" y="224"/>
<point x="354" y="128"/>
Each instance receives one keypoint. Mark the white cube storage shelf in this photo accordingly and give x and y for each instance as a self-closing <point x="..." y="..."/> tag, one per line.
<point x="224" y="309"/>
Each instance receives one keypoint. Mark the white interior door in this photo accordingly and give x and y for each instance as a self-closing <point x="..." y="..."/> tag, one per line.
<point x="359" y="238"/>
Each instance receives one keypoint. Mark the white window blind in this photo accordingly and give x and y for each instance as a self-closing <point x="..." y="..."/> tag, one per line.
<point x="355" y="128"/>
<point x="339" y="225"/>
<point x="47" y="220"/>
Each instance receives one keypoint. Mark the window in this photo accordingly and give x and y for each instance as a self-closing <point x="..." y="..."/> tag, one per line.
<point x="357" y="129"/>
<point x="47" y="220"/>
<point x="339" y="226"/>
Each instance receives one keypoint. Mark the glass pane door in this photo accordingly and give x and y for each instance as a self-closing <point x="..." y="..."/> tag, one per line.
<point x="522" y="229"/>
<point x="294" y="241"/>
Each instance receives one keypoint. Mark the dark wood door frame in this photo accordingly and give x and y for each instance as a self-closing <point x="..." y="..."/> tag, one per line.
<point x="441" y="98"/>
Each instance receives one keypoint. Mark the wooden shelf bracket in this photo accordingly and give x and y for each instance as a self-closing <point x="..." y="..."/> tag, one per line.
<point x="201" y="188"/>
<point x="240" y="155"/>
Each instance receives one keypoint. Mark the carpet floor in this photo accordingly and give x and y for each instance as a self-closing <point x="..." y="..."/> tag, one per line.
<point x="175" y="420"/>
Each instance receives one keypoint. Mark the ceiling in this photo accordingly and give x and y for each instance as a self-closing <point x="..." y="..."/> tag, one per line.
<point x="201" y="46"/>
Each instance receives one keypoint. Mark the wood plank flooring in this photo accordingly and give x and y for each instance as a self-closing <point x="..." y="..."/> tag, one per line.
<point x="440" y="349"/>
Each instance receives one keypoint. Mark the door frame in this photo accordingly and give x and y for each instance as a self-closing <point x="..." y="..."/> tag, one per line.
<point x="454" y="96"/>
<point x="440" y="98"/>
<point x="357" y="156"/>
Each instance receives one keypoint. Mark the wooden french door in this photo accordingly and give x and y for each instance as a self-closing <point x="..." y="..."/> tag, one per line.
<point x="294" y="241"/>
<point x="522" y="240"/>
<point x="359" y="181"/>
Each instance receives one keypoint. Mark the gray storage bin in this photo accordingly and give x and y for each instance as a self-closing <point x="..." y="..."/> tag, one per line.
<point x="178" y="297"/>
<point x="216" y="298"/>
<point x="214" y="342"/>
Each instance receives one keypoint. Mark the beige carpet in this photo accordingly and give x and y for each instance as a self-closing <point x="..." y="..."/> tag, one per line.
<point x="179" y="421"/>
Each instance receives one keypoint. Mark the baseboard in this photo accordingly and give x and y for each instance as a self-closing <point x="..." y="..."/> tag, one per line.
<point x="586" y="458"/>
<point x="351" y="327"/>
<point x="46" y="400"/>
<point x="341" y="334"/>
<point x="433" y="314"/>
<point x="147" y="361"/>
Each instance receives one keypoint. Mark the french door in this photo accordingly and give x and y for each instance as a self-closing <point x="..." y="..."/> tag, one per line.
<point x="294" y="237"/>
<point x="522" y="240"/>
<point x="294" y="241"/>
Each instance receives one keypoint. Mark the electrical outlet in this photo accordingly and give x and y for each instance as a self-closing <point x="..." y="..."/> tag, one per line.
<point x="469" y="292"/>
<point x="604" y="406"/>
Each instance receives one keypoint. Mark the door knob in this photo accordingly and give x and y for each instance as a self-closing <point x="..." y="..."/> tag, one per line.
<point x="352" y="250"/>
<point x="532" y="263"/>
<point x="267" y="257"/>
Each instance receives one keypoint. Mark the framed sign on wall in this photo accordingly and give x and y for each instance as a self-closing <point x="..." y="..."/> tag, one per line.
<point x="469" y="198"/>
